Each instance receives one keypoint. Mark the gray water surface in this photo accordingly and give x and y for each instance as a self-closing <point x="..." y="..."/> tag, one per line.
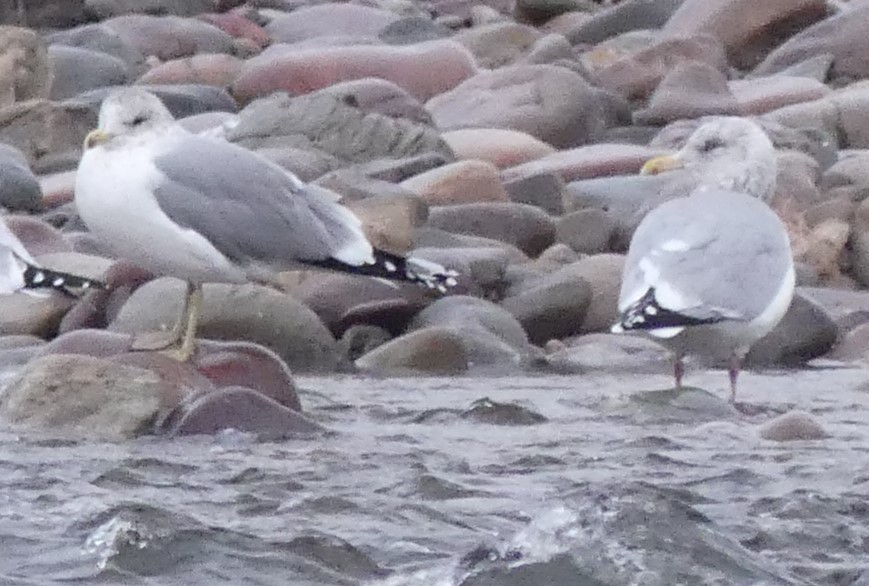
<point x="463" y="481"/>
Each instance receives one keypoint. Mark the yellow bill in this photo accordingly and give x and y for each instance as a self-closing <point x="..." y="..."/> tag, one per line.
<point x="661" y="164"/>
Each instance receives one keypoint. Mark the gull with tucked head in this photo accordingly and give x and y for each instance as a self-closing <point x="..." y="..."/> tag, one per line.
<point x="205" y="210"/>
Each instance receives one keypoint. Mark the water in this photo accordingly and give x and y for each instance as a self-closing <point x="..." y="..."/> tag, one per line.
<point x="424" y="482"/>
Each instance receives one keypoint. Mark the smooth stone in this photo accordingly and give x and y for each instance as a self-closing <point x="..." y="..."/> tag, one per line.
<point x="499" y="146"/>
<point x="843" y="36"/>
<point x="612" y="353"/>
<point x="806" y="331"/>
<point x="396" y="170"/>
<point x="244" y="410"/>
<point x="424" y="70"/>
<point x="577" y="112"/>
<point x="538" y="12"/>
<point x="860" y="243"/>
<point x="764" y="94"/>
<point x="182" y="100"/>
<point x="854" y="346"/>
<point x="552" y="310"/>
<point x="824" y="248"/>
<point x="50" y="134"/>
<point x="430" y="237"/>
<point x="498" y="44"/>
<point x="792" y="426"/>
<point x="371" y="94"/>
<point x="25" y="70"/>
<point x="215" y="69"/>
<point x="170" y="37"/>
<point x="410" y="30"/>
<point x="14" y="342"/>
<point x="353" y="184"/>
<point x="852" y="169"/>
<point x="851" y="104"/>
<point x="689" y="90"/>
<point x="329" y="19"/>
<point x="622" y="17"/>
<point x="97" y="343"/>
<point x="588" y="231"/>
<point x="83" y="396"/>
<point x="238" y="26"/>
<point x="390" y="315"/>
<point x="35" y="315"/>
<point x="45" y="14"/>
<point x="37" y="236"/>
<point x="103" y="9"/>
<point x="361" y="339"/>
<point x="236" y="312"/>
<point x="544" y="190"/>
<point x="430" y="350"/>
<point x="76" y="70"/>
<point x="212" y="124"/>
<point x="847" y="308"/>
<point x="527" y="227"/>
<point x="20" y="190"/>
<point x="636" y="75"/>
<point x="96" y="37"/>
<point x="747" y="30"/>
<point x="552" y="49"/>
<point x="688" y="404"/>
<point x="587" y="162"/>
<point x="389" y="221"/>
<point x="311" y="121"/>
<point x="469" y="181"/>
<point x="816" y="67"/>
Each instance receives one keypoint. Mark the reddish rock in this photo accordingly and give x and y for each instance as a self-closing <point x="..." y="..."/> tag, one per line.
<point x="501" y="147"/>
<point x="587" y="162"/>
<point x="691" y="90"/>
<point x="170" y="37"/>
<point x="461" y="182"/>
<point x="237" y="26"/>
<point x="209" y="69"/>
<point x="37" y="236"/>
<point x="761" y="95"/>
<point x="328" y="20"/>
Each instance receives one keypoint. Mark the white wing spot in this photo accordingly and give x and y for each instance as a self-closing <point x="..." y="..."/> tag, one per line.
<point x="57" y="282"/>
<point x="675" y="246"/>
<point x="651" y="310"/>
<point x="38" y="278"/>
<point x="390" y="266"/>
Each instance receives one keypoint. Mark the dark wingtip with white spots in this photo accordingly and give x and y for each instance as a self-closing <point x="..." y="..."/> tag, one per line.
<point x="396" y="268"/>
<point x="647" y="314"/>
<point x="42" y="278"/>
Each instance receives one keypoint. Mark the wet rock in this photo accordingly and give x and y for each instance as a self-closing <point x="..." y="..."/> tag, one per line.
<point x="577" y="112"/>
<point x="96" y="37"/>
<point x="25" y="73"/>
<point x="793" y="426"/>
<point x="424" y="70"/>
<point x="329" y="19"/>
<point x="587" y="162"/>
<point x="552" y="310"/>
<point x="50" y="134"/>
<point x="854" y="346"/>
<point x="689" y="90"/>
<point x="83" y="396"/>
<point x="170" y="37"/>
<point x="429" y="350"/>
<point x="361" y="339"/>
<point x="494" y="413"/>
<point x="413" y="29"/>
<point x="623" y="17"/>
<point x="461" y="182"/>
<point x="371" y="94"/>
<point x="20" y="190"/>
<point x="498" y="44"/>
<point x="688" y="404"/>
<point x="208" y="69"/>
<point x="527" y="227"/>
<point x="805" y="332"/>
<point x="588" y="231"/>
<point x="611" y="353"/>
<point x="748" y="31"/>
<point x="230" y="312"/>
<point x="103" y="9"/>
<point x="331" y="125"/>
<point x="76" y="70"/>
<point x="842" y="36"/>
<point x="544" y="190"/>
<point x="501" y="147"/>
<point x="244" y="410"/>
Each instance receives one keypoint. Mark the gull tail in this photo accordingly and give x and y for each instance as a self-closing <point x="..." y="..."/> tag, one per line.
<point x="41" y="278"/>
<point x="648" y="315"/>
<point x="393" y="267"/>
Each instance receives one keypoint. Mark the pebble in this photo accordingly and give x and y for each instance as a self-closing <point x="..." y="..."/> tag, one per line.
<point x="793" y="426"/>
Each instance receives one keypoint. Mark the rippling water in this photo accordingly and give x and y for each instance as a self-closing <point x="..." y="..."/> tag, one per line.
<point x="462" y="481"/>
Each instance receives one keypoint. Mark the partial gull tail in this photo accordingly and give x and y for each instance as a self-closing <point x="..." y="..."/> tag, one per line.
<point x="397" y="268"/>
<point x="647" y="314"/>
<point x="41" y="278"/>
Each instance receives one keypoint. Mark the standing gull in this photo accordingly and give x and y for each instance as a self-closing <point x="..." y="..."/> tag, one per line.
<point x="20" y="272"/>
<point x="708" y="274"/>
<point x="205" y="210"/>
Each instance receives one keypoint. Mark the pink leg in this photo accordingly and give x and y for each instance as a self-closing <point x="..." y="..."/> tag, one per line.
<point x="733" y="371"/>
<point x="678" y="371"/>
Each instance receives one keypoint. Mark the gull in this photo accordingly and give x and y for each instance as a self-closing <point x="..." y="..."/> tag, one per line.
<point x="204" y="210"/>
<point x="708" y="274"/>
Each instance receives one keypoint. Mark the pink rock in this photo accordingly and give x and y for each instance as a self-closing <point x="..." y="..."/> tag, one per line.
<point x="551" y="103"/>
<point x="215" y="69"/>
<point x="691" y="90"/>
<point x="329" y="19"/>
<point x="761" y="95"/>
<point x="98" y="343"/>
<point x="587" y="162"/>
<point x="37" y="236"/>
<point x="501" y="147"/>
<point x="498" y="44"/>
<point x="424" y="69"/>
<point x="170" y="37"/>
<point x="57" y="188"/>
<point x="747" y="29"/>
<point x="461" y="182"/>
<point x="237" y="26"/>
<point x="636" y="75"/>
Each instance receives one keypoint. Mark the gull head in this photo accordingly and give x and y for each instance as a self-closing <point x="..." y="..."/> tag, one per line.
<point x="729" y="153"/>
<point x="128" y="113"/>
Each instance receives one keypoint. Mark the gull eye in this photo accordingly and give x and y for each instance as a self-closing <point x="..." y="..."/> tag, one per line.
<point x="710" y="144"/>
<point x="140" y="119"/>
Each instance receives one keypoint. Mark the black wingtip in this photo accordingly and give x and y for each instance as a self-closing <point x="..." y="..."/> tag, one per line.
<point x="647" y="314"/>
<point x="398" y="268"/>
<point x="42" y="278"/>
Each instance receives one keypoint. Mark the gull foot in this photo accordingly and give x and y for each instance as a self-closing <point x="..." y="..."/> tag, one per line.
<point x="179" y="353"/>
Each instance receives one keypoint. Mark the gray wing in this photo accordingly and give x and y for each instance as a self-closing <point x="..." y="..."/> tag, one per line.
<point x="249" y="208"/>
<point x="718" y="254"/>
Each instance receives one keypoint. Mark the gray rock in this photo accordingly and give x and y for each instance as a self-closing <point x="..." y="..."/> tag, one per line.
<point x="544" y="190"/>
<point x="362" y="339"/>
<point x="611" y="353"/>
<point x="371" y="94"/>
<point x="537" y="12"/>
<point x="43" y="14"/>
<point x="96" y="37"/>
<point x="181" y="99"/>
<point x="527" y="227"/>
<point x="623" y="17"/>
<point x="329" y="19"/>
<point x="860" y="243"/>
<point x="551" y="311"/>
<point x="687" y="405"/>
<point x="807" y="331"/>
<point x="848" y="309"/>
<point x="49" y="134"/>
<point x="103" y="9"/>
<point x="413" y="29"/>
<point x="37" y="316"/>
<point x="499" y="43"/>
<point x="83" y="396"/>
<point x="689" y="90"/>
<point x="25" y="72"/>
<point x="430" y="350"/>
<point x="551" y="49"/>
<point x="792" y="426"/>
<point x="19" y="187"/>
<point x="77" y="70"/>
<point x="237" y="312"/>
<point x="334" y="126"/>
<point x="170" y="37"/>
<point x="428" y="237"/>
<point x="588" y="231"/>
